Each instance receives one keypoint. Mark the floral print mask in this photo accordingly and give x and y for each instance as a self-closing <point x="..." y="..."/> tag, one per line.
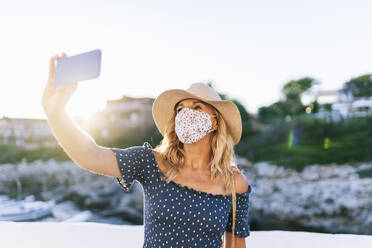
<point x="192" y="125"/>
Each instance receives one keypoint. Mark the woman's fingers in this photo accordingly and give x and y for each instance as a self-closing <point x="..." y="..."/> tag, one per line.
<point x="56" y="96"/>
<point x="52" y="66"/>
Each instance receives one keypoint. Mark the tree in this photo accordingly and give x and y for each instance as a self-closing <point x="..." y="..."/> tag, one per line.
<point x="247" y="127"/>
<point x="292" y="104"/>
<point x="293" y="91"/>
<point x="360" y="86"/>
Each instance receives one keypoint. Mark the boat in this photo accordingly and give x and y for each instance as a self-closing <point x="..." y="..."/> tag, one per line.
<point x="80" y="217"/>
<point x="24" y="210"/>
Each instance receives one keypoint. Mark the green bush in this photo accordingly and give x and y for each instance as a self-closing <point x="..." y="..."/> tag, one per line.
<point x="318" y="142"/>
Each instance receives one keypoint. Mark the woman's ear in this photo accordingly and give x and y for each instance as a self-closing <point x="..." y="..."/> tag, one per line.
<point x="215" y="126"/>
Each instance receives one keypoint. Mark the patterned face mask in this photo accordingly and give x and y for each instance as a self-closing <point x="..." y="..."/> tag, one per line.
<point x="192" y="125"/>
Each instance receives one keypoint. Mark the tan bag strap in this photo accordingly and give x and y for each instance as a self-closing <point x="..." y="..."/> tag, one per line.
<point x="234" y="211"/>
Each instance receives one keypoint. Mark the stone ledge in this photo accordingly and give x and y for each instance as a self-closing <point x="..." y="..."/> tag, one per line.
<point x="98" y="235"/>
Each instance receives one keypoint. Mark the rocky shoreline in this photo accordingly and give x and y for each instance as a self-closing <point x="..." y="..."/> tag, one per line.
<point x="332" y="198"/>
<point x="74" y="189"/>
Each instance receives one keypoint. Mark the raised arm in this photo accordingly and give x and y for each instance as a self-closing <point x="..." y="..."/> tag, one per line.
<point x="78" y="145"/>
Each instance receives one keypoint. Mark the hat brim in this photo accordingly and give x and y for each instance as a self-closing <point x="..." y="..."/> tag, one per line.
<point x="163" y="107"/>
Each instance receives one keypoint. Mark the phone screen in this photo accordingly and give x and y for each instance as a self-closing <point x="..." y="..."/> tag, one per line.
<point x="80" y="67"/>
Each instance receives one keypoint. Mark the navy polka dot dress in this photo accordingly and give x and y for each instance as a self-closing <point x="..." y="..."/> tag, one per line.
<point x="176" y="215"/>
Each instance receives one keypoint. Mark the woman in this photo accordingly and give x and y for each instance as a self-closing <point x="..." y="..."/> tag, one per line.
<point x="195" y="195"/>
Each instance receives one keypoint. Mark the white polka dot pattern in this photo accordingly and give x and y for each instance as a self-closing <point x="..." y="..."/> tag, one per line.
<point x="132" y="163"/>
<point x="241" y="216"/>
<point x="177" y="215"/>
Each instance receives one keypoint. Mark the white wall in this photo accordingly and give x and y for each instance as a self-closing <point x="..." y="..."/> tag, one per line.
<point x="98" y="235"/>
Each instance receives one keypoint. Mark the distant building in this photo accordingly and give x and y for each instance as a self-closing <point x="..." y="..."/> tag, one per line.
<point x="26" y="132"/>
<point x="361" y="107"/>
<point x="130" y="111"/>
<point x="343" y="105"/>
<point x="120" y="116"/>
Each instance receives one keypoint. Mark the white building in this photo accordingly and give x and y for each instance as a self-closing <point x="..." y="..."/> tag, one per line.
<point x="343" y="106"/>
<point x="25" y="132"/>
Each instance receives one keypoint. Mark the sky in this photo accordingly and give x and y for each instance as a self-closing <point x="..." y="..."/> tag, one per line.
<point x="248" y="49"/>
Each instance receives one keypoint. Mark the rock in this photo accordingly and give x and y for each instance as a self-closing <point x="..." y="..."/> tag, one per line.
<point x="67" y="183"/>
<point x="329" y="198"/>
<point x="65" y="210"/>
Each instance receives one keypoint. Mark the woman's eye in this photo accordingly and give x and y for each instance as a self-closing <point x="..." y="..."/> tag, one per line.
<point x="197" y="106"/>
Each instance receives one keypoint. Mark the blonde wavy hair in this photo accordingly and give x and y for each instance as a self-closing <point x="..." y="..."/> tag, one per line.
<point x="223" y="161"/>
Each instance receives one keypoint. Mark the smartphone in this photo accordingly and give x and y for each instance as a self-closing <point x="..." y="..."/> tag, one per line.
<point x="80" y="67"/>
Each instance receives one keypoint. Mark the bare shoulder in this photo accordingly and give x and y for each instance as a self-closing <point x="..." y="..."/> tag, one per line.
<point x="156" y="154"/>
<point x="158" y="158"/>
<point x="154" y="151"/>
<point x="241" y="183"/>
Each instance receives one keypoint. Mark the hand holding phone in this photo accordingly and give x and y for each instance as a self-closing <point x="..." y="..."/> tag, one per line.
<point x="54" y="97"/>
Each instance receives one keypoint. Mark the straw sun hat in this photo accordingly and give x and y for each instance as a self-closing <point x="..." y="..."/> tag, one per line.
<point x="163" y="107"/>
